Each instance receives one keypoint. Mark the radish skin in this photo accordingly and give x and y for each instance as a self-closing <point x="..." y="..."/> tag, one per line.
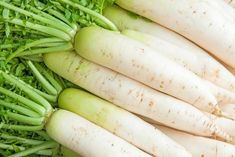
<point x="191" y="18"/>
<point x="229" y="109"/>
<point x="138" y="61"/>
<point x="126" y="20"/>
<point x="227" y="124"/>
<point x="200" y="146"/>
<point x="117" y="121"/>
<point x="226" y="9"/>
<point x="131" y="95"/>
<point x="192" y="61"/>
<point x="213" y="70"/>
<point x="87" y="139"/>
<point x="222" y="95"/>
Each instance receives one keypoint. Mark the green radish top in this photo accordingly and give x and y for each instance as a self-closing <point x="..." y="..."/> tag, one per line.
<point x="50" y="25"/>
<point x="90" y="107"/>
<point x="68" y="153"/>
<point x="28" y="90"/>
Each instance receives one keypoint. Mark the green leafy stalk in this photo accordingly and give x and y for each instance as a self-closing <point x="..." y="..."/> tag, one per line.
<point x="41" y="28"/>
<point x="32" y="44"/>
<point x="31" y="93"/>
<point x="25" y="119"/>
<point x="35" y="149"/>
<point x="21" y="127"/>
<point x="29" y="103"/>
<point x="20" y="109"/>
<point x="47" y="86"/>
<point x="20" y="139"/>
<point x="49" y="76"/>
<point x="54" y="23"/>
<point x="67" y="46"/>
<point x="104" y="20"/>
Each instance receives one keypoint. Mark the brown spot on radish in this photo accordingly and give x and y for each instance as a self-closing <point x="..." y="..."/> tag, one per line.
<point x="183" y="87"/>
<point x="194" y="12"/>
<point x="151" y="103"/>
<point x="130" y="91"/>
<point x="152" y="78"/>
<point x="169" y="111"/>
<point x="202" y="155"/>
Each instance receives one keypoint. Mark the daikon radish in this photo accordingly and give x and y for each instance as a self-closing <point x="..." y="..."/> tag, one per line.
<point x="121" y="123"/>
<point x="131" y="95"/>
<point x="222" y="95"/>
<point x="87" y="139"/>
<point x="191" y="18"/>
<point x="200" y="146"/>
<point x="192" y="61"/>
<point x="229" y="109"/>
<point x="227" y="124"/>
<point x="226" y="9"/>
<point x="138" y="61"/>
<point x="212" y="71"/>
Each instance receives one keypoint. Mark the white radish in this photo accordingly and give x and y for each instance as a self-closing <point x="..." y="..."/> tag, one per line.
<point x="121" y="123"/>
<point x="138" y="61"/>
<point x="200" y="146"/>
<point x="87" y="139"/>
<point x="228" y="10"/>
<point x="212" y="71"/>
<point x="131" y="95"/>
<point x="197" y="20"/>
<point x="222" y="95"/>
<point x="227" y="124"/>
<point x="195" y="62"/>
<point x="229" y="109"/>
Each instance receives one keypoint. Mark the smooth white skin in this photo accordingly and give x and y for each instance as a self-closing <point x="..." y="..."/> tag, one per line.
<point x="199" y="63"/>
<point x="222" y="95"/>
<point x="87" y="139"/>
<point x="213" y="71"/>
<point x="131" y="95"/>
<point x="228" y="125"/>
<point x="137" y="61"/>
<point x="121" y="123"/>
<point x="200" y="146"/>
<point x="196" y="20"/>
<point x="225" y="9"/>
<point x="229" y="109"/>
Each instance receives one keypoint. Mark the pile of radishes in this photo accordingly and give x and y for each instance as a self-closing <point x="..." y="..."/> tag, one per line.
<point x="164" y="88"/>
<point x="159" y="83"/>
